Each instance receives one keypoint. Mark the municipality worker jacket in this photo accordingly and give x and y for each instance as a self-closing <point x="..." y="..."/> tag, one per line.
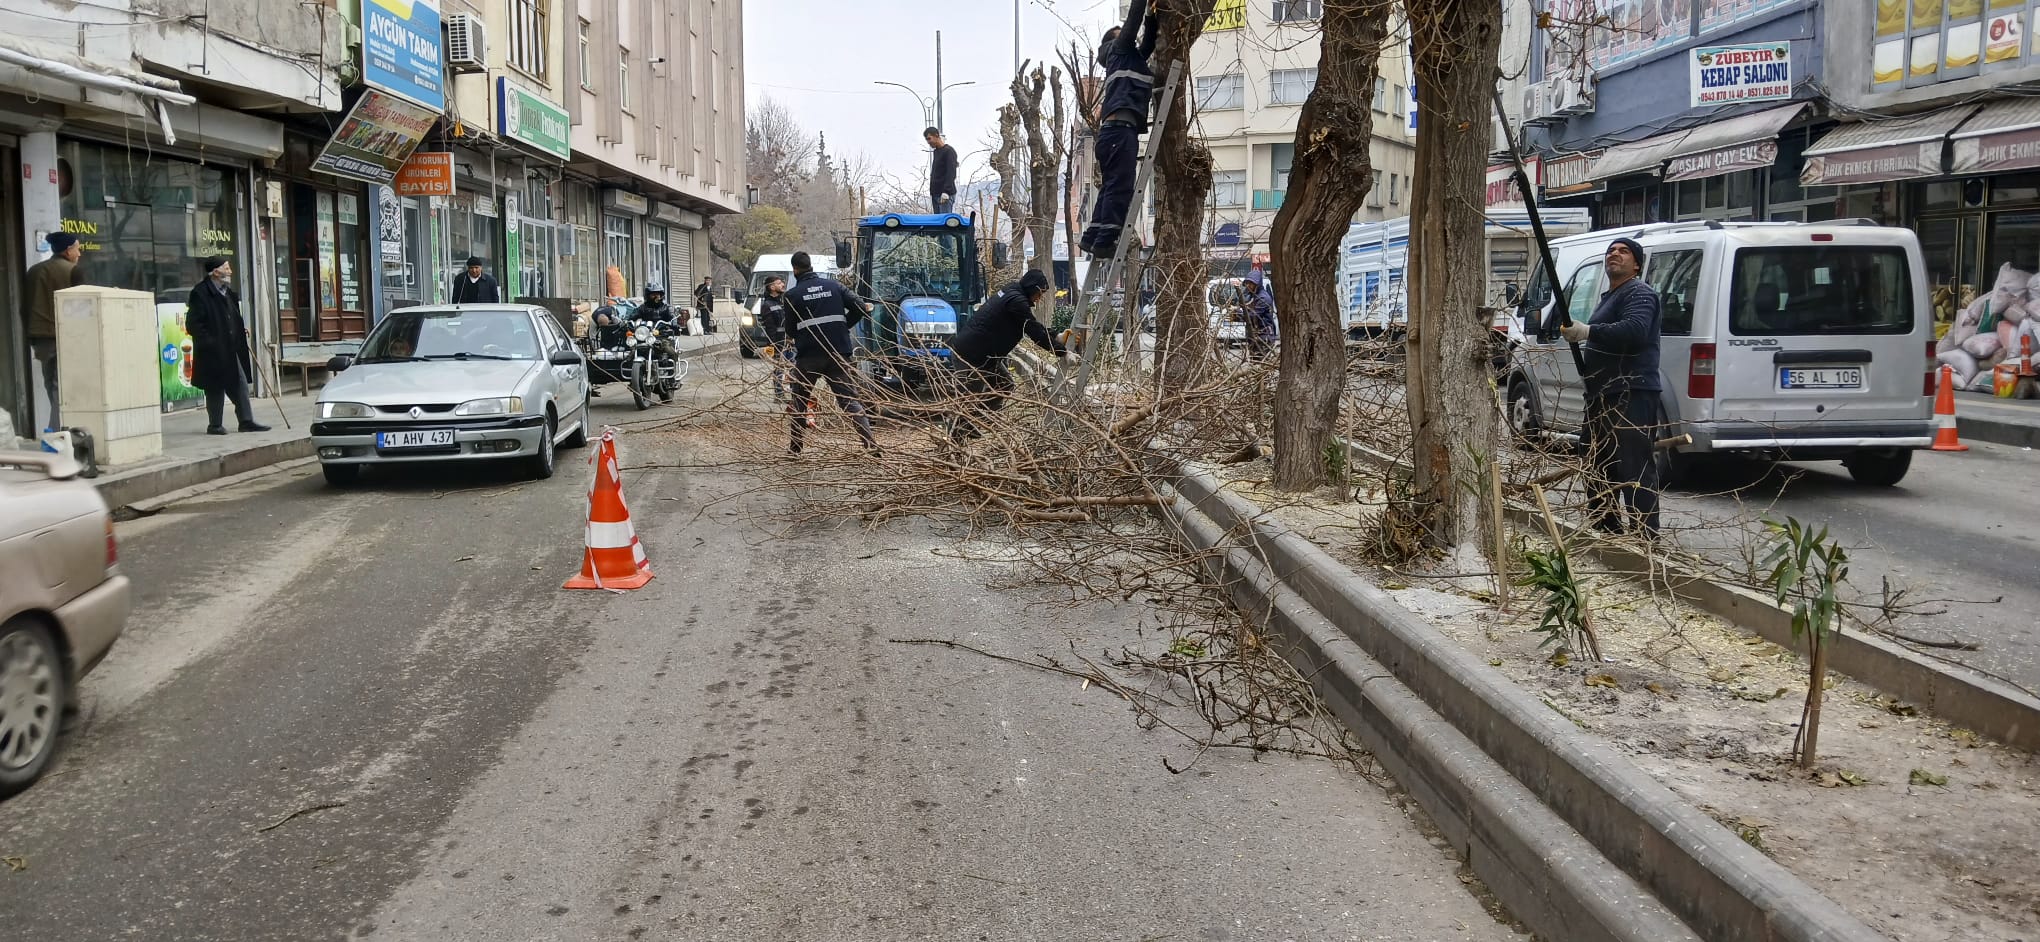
<point x="1621" y="351"/>
<point x="1129" y="80"/>
<point x="823" y="313"/>
<point x="995" y="329"/>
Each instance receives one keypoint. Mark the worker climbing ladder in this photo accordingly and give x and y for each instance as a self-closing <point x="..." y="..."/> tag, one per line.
<point x="1069" y="385"/>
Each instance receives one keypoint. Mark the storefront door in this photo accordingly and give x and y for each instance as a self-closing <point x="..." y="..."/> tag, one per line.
<point x="326" y="265"/>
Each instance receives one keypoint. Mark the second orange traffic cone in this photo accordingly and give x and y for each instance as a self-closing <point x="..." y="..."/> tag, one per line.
<point x="1944" y="414"/>
<point x="613" y="557"/>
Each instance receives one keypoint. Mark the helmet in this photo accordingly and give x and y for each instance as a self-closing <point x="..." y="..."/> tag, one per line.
<point x="655" y="288"/>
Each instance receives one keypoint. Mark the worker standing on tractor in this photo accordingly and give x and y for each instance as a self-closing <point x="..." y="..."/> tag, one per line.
<point x="1129" y="86"/>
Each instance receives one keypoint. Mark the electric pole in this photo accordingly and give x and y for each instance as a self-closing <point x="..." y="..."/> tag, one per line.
<point x="938" y="83"/>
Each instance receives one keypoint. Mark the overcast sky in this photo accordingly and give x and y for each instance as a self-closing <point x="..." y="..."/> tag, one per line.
<point x="825" y="77"/>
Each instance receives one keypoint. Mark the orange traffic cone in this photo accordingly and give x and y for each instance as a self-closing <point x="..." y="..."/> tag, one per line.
<point x="1944" y="414"/>
<point x="614" y="559"/>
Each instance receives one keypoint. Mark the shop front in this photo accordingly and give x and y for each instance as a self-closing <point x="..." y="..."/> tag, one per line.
<point x="144" y="224"/>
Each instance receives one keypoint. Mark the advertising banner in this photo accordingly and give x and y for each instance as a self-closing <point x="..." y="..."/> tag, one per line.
<point x="174" y="344"/>
<point x="375" y="138"/>
<point x="427" y="173"/>
<point x="1228" y="14"/>
<point x="400" y="50"/>
<point x="1734" y="75"/>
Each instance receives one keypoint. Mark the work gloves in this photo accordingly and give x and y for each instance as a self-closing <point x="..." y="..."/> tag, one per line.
<point x="1575" y="332"/>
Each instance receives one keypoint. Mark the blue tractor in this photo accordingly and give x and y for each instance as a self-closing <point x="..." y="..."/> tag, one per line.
<point x="921" y="275"/>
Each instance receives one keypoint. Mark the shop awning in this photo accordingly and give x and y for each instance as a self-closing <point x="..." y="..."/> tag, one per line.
<point x="1882" y="151"/>
<point x="157" y="93"/>
<point x="2005" y="135"/>
<point x="1740" y="143"/>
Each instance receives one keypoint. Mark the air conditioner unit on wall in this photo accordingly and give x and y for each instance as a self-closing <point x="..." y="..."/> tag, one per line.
<point x="467" y="43"/>
<point x="1537" y="104"/>
<point x="1572" y="95"/>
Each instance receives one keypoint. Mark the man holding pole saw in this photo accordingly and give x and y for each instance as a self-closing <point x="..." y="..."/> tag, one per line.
<point x="1616" y="352"/>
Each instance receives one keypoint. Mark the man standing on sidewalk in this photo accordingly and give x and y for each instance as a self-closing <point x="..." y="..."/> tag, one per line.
<point x="477" y="286"/>
<point x="45" y="279"/>
<point x="219" y="348"/>
<point x="941" y="173"/>
<point x="704" y="305"/>
<point x="1624" y="416"/>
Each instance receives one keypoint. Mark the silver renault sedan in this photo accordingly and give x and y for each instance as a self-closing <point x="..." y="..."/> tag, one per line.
<point x="465" y="382"/>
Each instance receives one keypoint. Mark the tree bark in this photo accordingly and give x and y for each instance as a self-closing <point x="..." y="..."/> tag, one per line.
<point x="1044" y="167"/>
<point x="1451" y="390"/>
<point x="1182" y="182"/>
<point x="1328" y="182"/>
<point x="1007" y="162"/>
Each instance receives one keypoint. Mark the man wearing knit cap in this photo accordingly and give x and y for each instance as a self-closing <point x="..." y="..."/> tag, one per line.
<point x="981" y="346"/>
<point x="1624" y="416"/>
<point x="476" y="286"/>
<point x="220" y="363"/>
<point x="45" y="279"/>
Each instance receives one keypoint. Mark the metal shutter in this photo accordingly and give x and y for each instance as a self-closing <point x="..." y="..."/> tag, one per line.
<point x="680" y="263"/>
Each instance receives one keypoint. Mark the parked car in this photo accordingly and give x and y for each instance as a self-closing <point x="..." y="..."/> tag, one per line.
<point x="1782" y="341"/>
<point x="63" y="602"/>
<point x="454" y="383"/>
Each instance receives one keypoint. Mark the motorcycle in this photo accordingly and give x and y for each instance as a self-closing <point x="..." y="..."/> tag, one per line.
<point x="639" y="354"/>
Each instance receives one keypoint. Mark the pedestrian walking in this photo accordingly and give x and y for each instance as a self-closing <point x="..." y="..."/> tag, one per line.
<point x="941" y="172"/>
<point x="772" y="316"/>
<point x="45" y="279"/>
<point x="1261" y="328"/>
<point x="1624" y="415"/>
<point x="824" y="312"/>
<point x="1129" y="86"/>
<point x="704" y="305"/>
<point x="221" y="364"/>
<point x="476" y="286"/>
<point x="980" y="348"/>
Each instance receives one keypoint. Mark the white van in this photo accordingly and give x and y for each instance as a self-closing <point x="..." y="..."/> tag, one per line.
<point x="1781" y="341"/>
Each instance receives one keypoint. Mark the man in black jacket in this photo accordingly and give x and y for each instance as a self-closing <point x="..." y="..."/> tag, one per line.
<point x="704" y="305"/>
<point x="220" y="362"/>
<point x="979" y="351"/>
<point x="823" y="313"/>
<point x="941" y="173"/>
<point x="774" y="317"/>
<point x="1129" y="85"/>
<point x="1624" y="416"/>
<point x="477" y="286"/>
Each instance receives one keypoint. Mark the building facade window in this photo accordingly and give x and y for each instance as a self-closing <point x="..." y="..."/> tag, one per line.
<point x="1374" y="191"/>
<point x="1221" y="92"/>
<point x="1280" y="158"/>
<point x="623" y="78"/>
<point x="1297" y="11"/>
<point x="587" y="74"/>
<point x="1398" y="102"/>
<point x="1381" y="95"/>
<point x="619" y="246"/>
<point x="527" y="37"/>
<point x="1229" y="189"/>
<point x="655" y="258"/>
<point x="1290" y="86"/>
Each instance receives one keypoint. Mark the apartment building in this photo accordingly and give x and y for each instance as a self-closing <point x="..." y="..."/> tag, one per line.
<point x="1250" y="74"/>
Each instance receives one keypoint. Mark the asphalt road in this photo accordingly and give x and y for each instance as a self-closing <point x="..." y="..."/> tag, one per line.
<point x="373" y="714"/>
<point x="1962" y="526"/>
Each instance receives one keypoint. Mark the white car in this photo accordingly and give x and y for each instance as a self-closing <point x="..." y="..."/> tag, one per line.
<point x="469" y="382"/>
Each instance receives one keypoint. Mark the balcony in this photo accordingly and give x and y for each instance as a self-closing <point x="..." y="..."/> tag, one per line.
<point x="1268" y="199"/>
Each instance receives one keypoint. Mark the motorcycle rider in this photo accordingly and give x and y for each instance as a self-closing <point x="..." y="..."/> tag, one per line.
<point x="657" y="312"/>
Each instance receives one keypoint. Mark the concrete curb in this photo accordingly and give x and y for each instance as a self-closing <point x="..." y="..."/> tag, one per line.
<point x="1996" y="431"/>
<point x="1543" y="871"/>
<point x="1717" y="885"/>
<point x="1951" y="692"/>
<point x="169" y="474"/>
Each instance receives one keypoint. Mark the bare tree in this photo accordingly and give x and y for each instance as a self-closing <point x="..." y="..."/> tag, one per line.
<point x="1047" y="145"/>
<point x="1085" y="90"/>
<point x="1450" y="390"/>
<point x="776" y="154"/>
<point x="1007" y="161"/>
<point x="1328" y="181"/>
<point x="1182" y="183"/>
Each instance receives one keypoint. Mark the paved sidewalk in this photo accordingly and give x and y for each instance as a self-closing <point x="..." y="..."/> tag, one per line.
<point x="191" y="457"/>
<point x="1986" y="418"/>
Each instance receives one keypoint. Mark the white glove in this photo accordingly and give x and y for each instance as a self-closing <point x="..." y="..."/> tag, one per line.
<point x="1575" y="332"/>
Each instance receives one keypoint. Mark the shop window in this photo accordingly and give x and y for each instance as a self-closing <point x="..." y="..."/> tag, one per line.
<point x="2014" y="188"/>
<point x="1675" y="273"/>
<point x="1784" y="173"/>
<point x="2014" y="239"/>
<point x="145" y="221"/>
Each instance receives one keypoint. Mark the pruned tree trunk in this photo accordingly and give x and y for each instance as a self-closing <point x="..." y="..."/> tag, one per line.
<point x="1182" y="182"/>
<point x="1328" y="182"/>
<point x="1046" y="144"/>
<point x="1005" y="159"/>
<point x="1451" y="391"/>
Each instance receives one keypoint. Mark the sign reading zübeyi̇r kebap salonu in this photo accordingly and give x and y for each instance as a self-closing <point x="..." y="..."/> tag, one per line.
<point x="1734" y="75"/>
